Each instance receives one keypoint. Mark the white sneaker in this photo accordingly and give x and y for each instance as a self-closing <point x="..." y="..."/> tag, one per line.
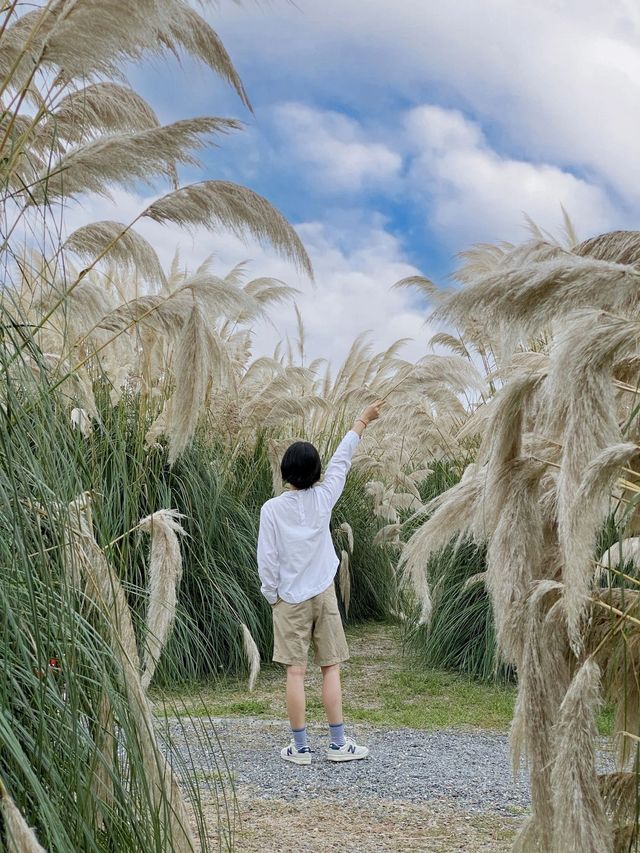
<point x="297" y="756"/>
<point x="349" y="752"/>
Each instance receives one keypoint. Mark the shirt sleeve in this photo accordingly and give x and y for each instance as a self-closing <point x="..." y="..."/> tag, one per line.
<point x="336" y="473"/>
<point x="268" y="564"/>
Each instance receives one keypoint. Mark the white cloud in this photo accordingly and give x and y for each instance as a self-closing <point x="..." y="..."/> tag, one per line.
<point x="560" y="82"/>
<point x="472" y="193"/>
<point x="353" y="292"/>
<point x="334" y="149"/>
<point x="467" y="191"/>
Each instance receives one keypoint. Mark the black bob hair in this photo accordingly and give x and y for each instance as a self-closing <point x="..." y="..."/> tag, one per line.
<point x="301" y="466"/>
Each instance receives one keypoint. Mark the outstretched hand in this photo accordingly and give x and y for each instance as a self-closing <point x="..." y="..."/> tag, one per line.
<point x="372" y="412"/>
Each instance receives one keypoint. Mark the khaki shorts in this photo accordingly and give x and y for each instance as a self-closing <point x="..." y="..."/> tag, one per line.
<point x="318" y="620"/>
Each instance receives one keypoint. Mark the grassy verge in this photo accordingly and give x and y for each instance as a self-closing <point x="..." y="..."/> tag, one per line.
<point x="381" y="687"/>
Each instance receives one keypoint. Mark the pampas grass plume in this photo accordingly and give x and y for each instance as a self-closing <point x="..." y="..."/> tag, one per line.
<point x="81" y="421"/>
<point x="252" y="655"/>
<point x="344" y="576"/>
<point x="580" y="822"/>
<point x="165" y="571"/>
<point x="104" y="588"/>
<point x="346" y="528"/>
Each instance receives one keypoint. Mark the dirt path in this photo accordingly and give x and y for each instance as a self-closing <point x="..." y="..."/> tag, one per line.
<point x="383" y="825"/>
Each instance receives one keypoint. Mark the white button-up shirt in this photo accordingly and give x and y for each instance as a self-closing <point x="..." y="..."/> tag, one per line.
<point x="296" y="557"/>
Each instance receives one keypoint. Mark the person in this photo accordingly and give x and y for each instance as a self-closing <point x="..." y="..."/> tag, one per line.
<point x="297" y="564"/>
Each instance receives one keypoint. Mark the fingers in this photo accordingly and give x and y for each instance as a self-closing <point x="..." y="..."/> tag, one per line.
<point x="372" y="412"/>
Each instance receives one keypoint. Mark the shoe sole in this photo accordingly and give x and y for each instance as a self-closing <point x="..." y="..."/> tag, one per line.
<point x="297" y="759"/>
<point x="347" y="757"/>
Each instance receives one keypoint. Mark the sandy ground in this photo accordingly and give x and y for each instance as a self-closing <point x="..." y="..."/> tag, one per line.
<point x="351" y="826"/>
<point x="358" y="826"/>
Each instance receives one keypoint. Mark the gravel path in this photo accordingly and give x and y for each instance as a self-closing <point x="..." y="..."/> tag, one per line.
<point x="440" y="791"/>
<point x="468" y="769"/>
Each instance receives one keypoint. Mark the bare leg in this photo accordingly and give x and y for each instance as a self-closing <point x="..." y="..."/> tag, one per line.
<point x="295" y="696"/>
<point x="332" y="693"/>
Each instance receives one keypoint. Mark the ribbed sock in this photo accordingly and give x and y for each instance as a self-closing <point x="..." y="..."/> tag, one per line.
<point x="337" y="734"/>
<point x="300" y="737"/>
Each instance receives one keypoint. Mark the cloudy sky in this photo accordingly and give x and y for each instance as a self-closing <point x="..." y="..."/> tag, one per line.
<point x="394" y="133"/>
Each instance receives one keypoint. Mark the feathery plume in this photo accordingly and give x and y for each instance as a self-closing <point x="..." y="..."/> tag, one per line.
<point x="451" y="513"/>
<point x="165" y="571"/>
<point x="81" y="420"/>
<point x="580" y="523"/>
<point x="167" y="313"/>
<point x="535" y="285"/>
<point x="141" y="155"/>
<point x="119" y="244"/>
<point x="238" y="209"/>
<point x="103" y="107"/>
<point x="456" y="345"/>
<point x="252" y="654"/>
<point x="103" y="587"/>
<point x="537" y="706"/>
<point x="479" y="577"/>
<point x="623" y="247"/>
<point x="198" y="354"/>
<point x="515" y="554"/>
<point x="191" y="32"/>
<point x="619" y="791"/>
<point x="346" y="528"/>
<point x="580" y="821"/>
<point x="426" y="287"/>
<point x="388" y="535"/>
<point x="624" y="551"/>
<point x="96" y="37"/>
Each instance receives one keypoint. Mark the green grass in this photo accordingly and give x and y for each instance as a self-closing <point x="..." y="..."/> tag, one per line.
<point x="606" y="720"/>
<point x="435" y="699"/>
<point x="55" y="726"/>
<point x="381" y="686"/>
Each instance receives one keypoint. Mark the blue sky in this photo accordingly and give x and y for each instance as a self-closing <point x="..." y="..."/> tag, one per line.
<point x="394" y="134"/>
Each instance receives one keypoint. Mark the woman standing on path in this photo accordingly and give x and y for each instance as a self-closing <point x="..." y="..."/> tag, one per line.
<point x="297" y="564"/>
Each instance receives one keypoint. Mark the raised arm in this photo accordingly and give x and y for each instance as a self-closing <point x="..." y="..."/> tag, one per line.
<point x="336" y="472"/>
<point x="268" y="565"/>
